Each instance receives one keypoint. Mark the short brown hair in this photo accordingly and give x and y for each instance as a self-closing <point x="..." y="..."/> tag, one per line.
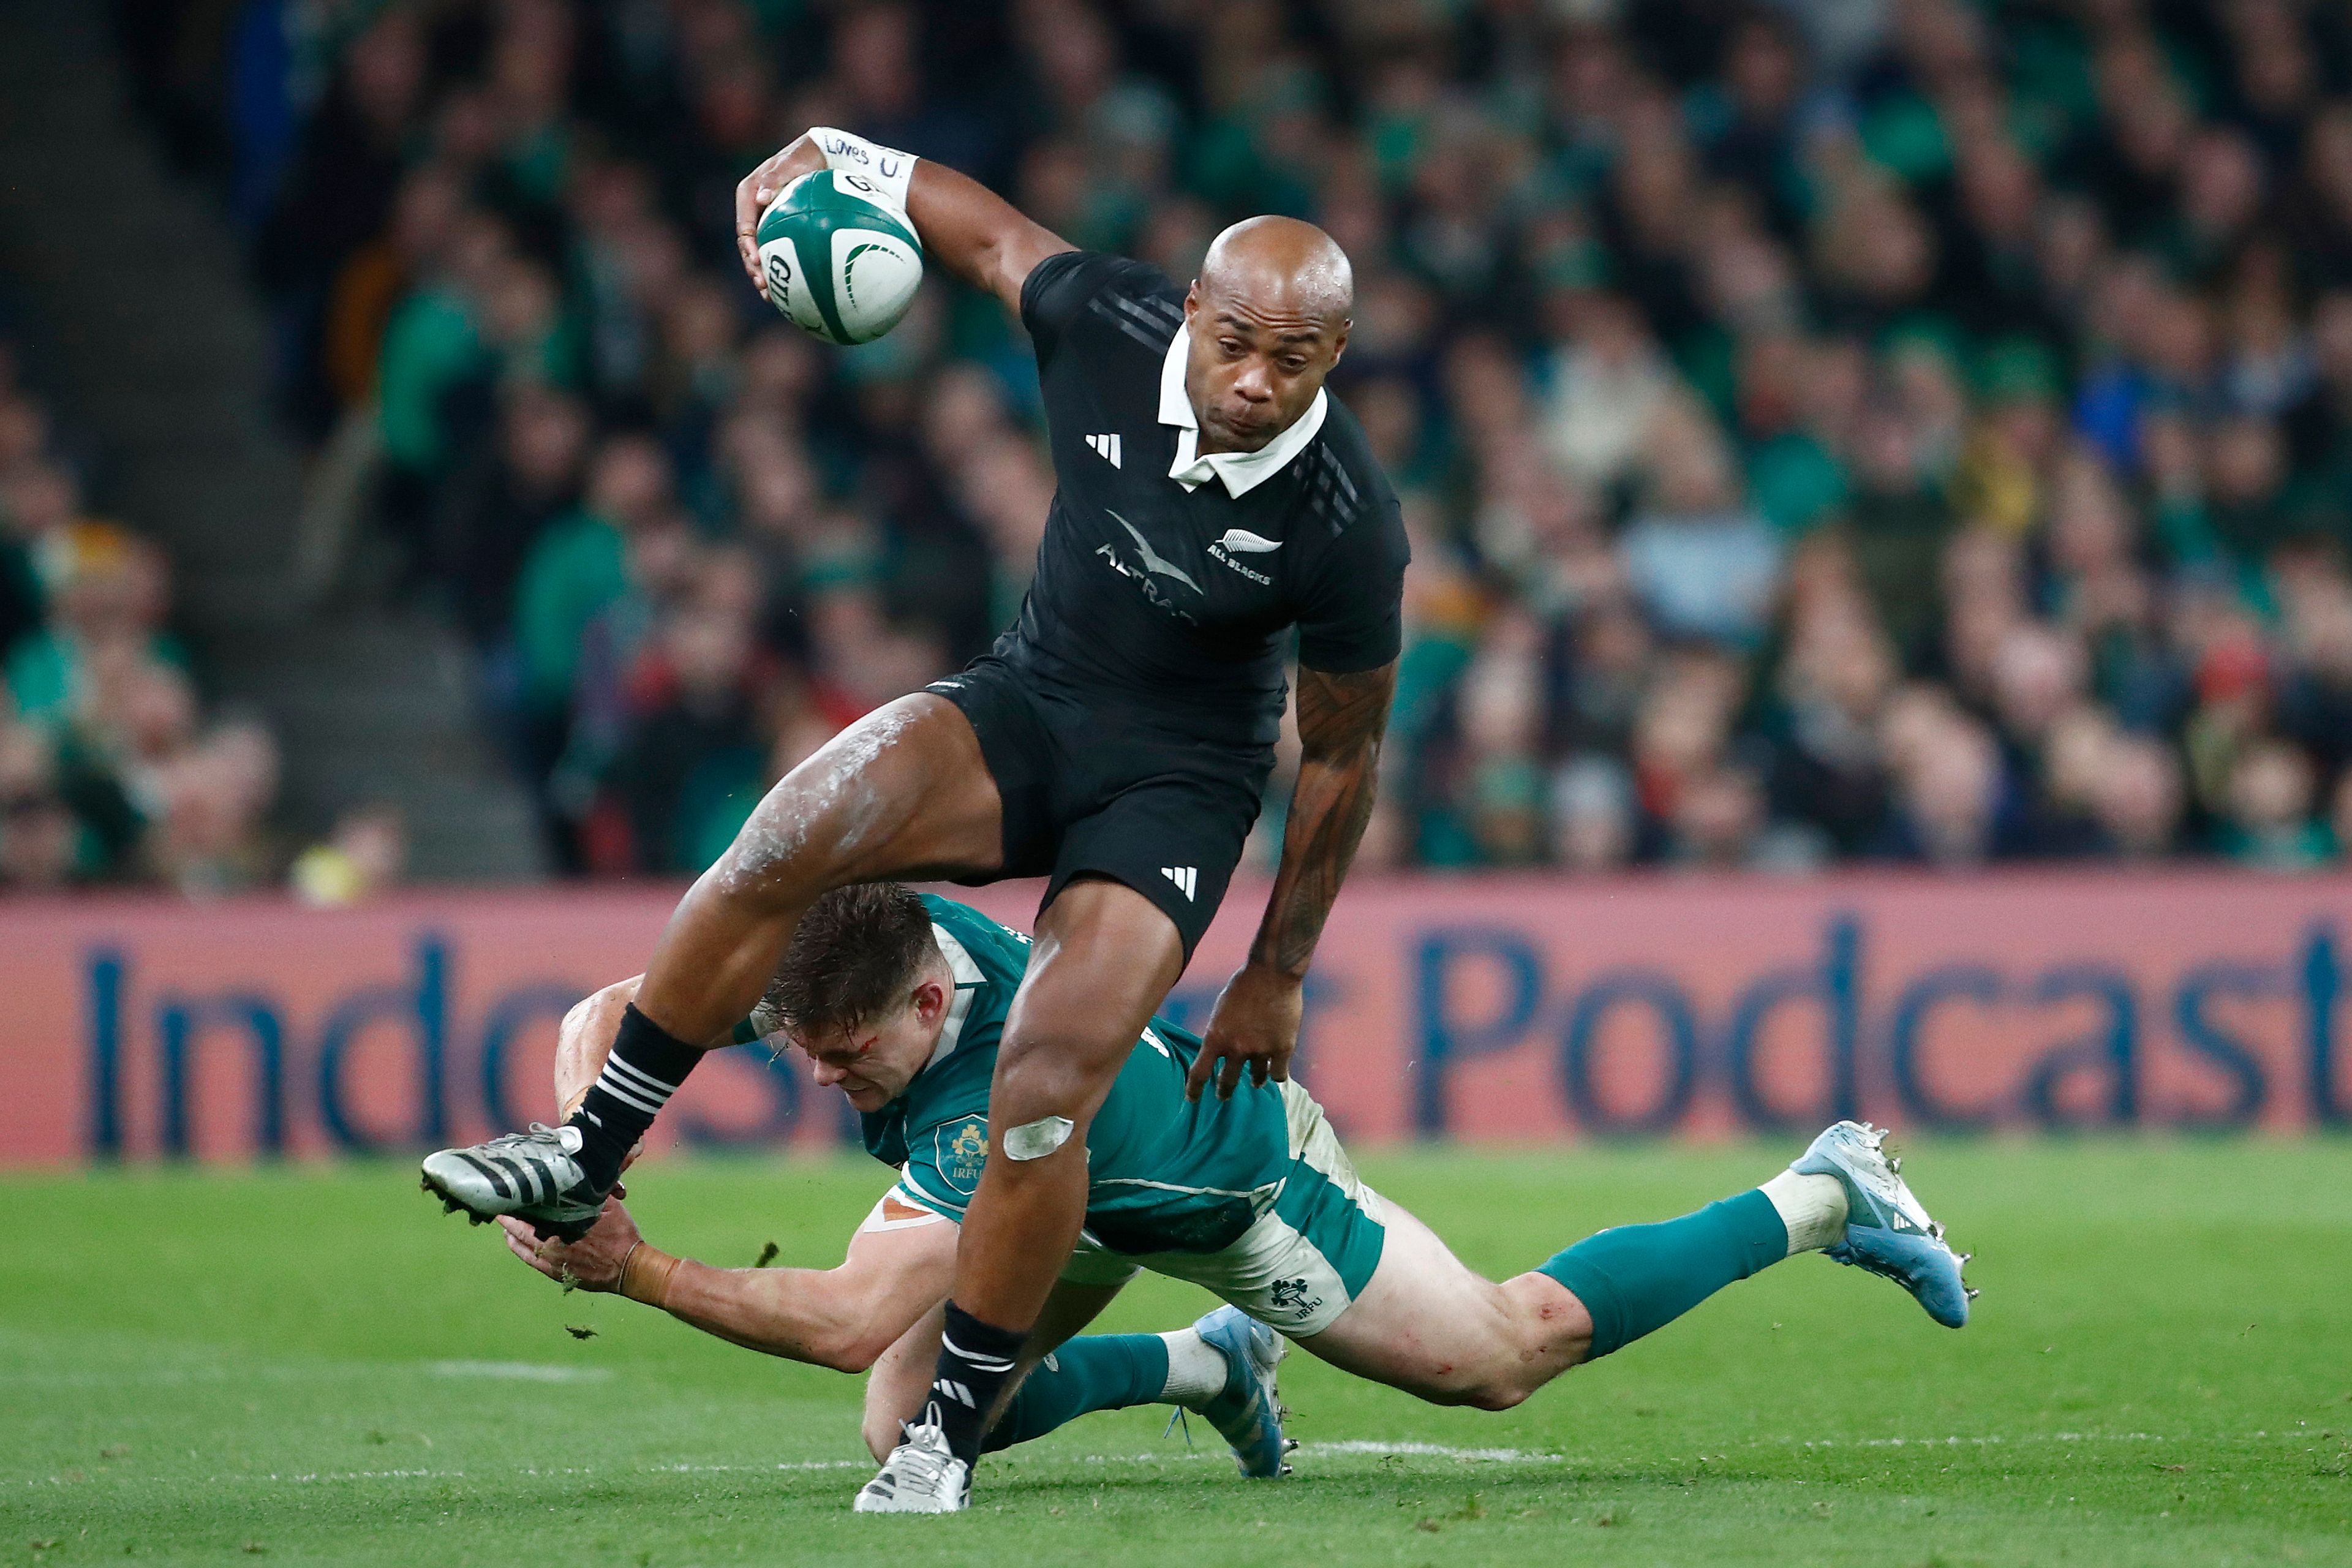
<point x="856" y="955"/>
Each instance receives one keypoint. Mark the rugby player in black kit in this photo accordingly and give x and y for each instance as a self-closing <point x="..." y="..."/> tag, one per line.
<point x="1212" y="498"/>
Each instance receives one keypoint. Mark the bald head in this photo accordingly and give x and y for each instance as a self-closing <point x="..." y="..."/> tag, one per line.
<point x="1268" y="319"/>
<point x="1284" y="264"/>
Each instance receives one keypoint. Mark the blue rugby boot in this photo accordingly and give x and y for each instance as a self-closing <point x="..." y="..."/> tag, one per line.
<point x="1886" y="1230"/>
<point x="1246" y="1413"/>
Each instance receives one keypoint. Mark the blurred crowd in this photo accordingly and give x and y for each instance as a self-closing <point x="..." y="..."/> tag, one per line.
<point x="1914" y="431"/>
<point x="109" y="769"/>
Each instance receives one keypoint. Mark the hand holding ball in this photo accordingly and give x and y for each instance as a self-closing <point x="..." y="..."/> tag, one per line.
<point x="839" y="257"/>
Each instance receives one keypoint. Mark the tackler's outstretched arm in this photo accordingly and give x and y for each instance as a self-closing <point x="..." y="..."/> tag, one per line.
<point x="898" y="1268"/>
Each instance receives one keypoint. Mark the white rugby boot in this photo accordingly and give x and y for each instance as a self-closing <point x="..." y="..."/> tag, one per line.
<point x="919" y="1476"/>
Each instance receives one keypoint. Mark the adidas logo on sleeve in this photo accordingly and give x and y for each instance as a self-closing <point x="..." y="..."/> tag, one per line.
<point x="1186" y="877"/>
<point x="1106" y="447"/>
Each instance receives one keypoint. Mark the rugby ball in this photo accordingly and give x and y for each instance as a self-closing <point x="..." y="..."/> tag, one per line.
<point x="840" y="259"/>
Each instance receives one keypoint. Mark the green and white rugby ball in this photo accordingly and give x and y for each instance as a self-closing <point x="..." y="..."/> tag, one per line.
<point x="839" y="257"/>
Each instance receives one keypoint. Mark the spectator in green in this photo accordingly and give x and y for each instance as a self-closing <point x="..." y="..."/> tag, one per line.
<point x="579" y="564"/>
<point x="433" y="342"/>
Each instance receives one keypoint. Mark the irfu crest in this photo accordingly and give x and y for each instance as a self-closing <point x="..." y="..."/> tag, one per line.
<point x="962" y="1149"/>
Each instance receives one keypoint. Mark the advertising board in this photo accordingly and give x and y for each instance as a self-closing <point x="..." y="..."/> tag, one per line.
<point x="1499" y="1009"/>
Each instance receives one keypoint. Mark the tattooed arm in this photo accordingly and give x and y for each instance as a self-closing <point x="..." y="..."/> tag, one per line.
<point x="1341" y="722"/>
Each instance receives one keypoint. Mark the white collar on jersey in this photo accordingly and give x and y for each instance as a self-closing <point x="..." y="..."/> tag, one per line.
<point x="968" y="982"/>
<point x="1241" y="472"/>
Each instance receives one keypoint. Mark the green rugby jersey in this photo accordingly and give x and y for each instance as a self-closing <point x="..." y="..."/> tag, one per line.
<point x="1163" y="1173"/>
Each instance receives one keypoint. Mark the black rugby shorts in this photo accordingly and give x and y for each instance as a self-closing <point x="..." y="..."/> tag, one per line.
<point x="1090" y="789"/>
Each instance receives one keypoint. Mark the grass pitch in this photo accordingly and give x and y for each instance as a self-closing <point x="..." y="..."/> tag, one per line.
<point x="312" y="1365"/>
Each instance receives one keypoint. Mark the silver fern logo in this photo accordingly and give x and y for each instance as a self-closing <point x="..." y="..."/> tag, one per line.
<point x="1242" y="542"/>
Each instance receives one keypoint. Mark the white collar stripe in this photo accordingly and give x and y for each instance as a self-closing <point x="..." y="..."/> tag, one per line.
<point x="968" y="979"/>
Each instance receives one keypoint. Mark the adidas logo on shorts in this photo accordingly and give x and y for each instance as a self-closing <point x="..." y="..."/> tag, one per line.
<point x="1106" y="447"/>
<point x="1186" y="877"/>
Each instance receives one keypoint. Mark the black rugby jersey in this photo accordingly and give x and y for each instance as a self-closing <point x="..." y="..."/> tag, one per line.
<point x="1153" y="600"/>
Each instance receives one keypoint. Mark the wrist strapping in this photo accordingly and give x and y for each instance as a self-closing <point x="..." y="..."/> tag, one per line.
<point x="889" y="169"/>
<point x="646" y="1275"/>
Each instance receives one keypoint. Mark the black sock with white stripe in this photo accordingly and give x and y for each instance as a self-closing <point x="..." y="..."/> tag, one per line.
<point x="645" y="1070"/>
<point x="976" y="1361"/>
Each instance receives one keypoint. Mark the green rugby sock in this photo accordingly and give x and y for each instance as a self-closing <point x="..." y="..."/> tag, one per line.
<point x="1636" y="1278"/>
<point x="1100" y="1372"/>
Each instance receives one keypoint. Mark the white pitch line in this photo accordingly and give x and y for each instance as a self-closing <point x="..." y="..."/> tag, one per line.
<point x="179" y="1376"/>
<point x="1963" y="1442"/>
<point x="761" y="1469"/>
<point x="1356" y="1446"/>
<point x="308" y="1477"/>
<point x="1433" y="1451"/>
<point x="173" y="1377"/>
<point x="519" y="1371"/>
<point x="312" y="1478"/>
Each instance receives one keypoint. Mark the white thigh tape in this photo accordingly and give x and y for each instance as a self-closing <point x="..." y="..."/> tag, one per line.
<point x="1035" y="1139"/>
<point x="895" y="1213"/>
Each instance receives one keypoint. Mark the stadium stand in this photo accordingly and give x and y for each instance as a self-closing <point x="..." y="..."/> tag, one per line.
<point x="138" y="331"/>
<point x="109" y="769"/>
<point x="1897" y="430"/>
